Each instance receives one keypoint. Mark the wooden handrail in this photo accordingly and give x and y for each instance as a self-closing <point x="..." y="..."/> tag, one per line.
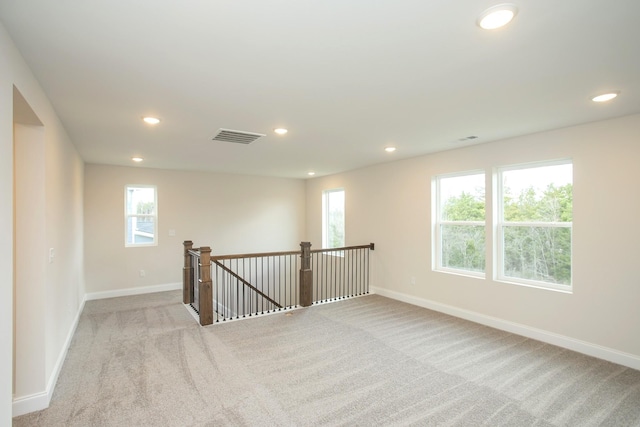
<point x="369" y="246"/>
<point x="257" y="255"/>
<point x="268" y="254"/>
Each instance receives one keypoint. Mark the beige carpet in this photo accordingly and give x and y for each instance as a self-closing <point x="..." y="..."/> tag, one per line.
<point x="143" y="361"/>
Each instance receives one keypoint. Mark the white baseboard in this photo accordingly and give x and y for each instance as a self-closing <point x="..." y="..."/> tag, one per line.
<point x="35" y="402"/>
<point x="590" y="349"/>
<point x="133" y="291"/>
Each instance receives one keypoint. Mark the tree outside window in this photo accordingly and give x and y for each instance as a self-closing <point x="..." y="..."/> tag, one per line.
<point x="535" y="224"/>
<point x="460" y="223"/>
<point x="333" y="218"/>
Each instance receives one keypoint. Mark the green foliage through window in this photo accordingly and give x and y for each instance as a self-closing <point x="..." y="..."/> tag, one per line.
<point x="461" y="222"/>
<point x="333" y="218"/>
<point x="534" y="228"/>
<point x="463" y="247"/>
<point x="537" y="214"/>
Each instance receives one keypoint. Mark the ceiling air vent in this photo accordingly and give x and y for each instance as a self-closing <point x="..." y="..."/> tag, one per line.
<point x="236" y="136"/>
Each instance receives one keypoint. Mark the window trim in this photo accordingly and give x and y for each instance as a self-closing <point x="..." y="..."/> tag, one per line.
<point x="437" y="224"/>
<point x="499" y="223"/>
<point x="127" y="215"/>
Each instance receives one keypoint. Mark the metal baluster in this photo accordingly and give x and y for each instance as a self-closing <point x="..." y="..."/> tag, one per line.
<point x="368" y="269"/>
<point x="237" y="290"/>
<point x="297" y="277"/>
<point x="280" y="284"/>
<point x="290" y="288"/>
<point x="275" y="291"/>
<point x="364" y="265"/>
<point x="335" y="275"/>
<point x="222" y="301"/>
<point x="254" y="309"/>
<point x="261" y="281"/>
<point x="342" y="271"/>
<point x="353" y="279"/>
<point x="269" y="306"/>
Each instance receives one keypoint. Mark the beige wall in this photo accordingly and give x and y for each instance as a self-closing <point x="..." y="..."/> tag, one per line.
<point x="7" y="53"/>
<point x="389" y="204"/>
<point x="30" y="271"/>
<point x="63" y="278"/>
<point x="230" y="213"/>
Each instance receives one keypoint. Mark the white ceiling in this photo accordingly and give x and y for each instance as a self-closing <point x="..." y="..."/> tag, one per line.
<point x="347" y="78"/>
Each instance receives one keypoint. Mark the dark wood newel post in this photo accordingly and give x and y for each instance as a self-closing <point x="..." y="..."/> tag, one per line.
<point x="187" y="274"/>
<point x="306" y="275"/>
<point x="205" y="287"/>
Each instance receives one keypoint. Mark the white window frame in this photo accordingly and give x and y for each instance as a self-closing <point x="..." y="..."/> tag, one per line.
<point x="437" y="224"/>
<point x="127" y="216"/>
<point x="500" y="224"/>
<point x="325" y="219"/>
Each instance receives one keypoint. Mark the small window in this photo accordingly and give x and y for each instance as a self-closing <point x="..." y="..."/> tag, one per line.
<point x="535" y="214"/>
<point x="141" y="215"/>
<point x="333" y="218"/>
<point x="459" y="229"/>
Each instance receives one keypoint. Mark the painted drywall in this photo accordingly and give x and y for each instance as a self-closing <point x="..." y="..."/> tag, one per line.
<point x="389" y="205"/>
<point x="30" y="265"/>
<point x="63" y="278"/>
<point x="7" y="53"/>
<point x="229" y="213"/>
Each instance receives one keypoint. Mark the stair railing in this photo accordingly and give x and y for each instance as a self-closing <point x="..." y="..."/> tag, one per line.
<point x="225" y="287"/>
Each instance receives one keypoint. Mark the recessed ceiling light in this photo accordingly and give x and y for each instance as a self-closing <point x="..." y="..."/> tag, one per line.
<point x="280" y="131"/>
<point x="151" y="120"/>
<point x="137" y="159"/>
<point x="390" y="149"/>
<point x="311" y="173"/>
<point x="605" y="97"/>
<point x="497" y="16"/>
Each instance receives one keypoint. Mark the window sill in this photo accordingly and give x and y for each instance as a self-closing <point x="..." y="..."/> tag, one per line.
<point x="464" y="273"/>
<point x="564" y="289"/>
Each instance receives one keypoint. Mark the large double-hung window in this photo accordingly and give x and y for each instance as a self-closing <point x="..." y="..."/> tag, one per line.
<point x="534" y="224"/>
<point x="459" y="227"/>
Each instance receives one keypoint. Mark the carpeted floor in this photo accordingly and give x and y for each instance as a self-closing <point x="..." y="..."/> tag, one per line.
<point x="143" y="361"/>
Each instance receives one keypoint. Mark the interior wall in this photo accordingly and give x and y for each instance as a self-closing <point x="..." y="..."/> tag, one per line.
<point x="389" y="204"/>
<point x="6" y="227"/>
<point x="230" y="213"/>
<point x="64" y="223"/>
<point x="63" y="177"/>
<point x="30" y="268"/>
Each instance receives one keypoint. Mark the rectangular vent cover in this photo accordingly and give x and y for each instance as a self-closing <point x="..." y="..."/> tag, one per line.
<point x="236" y="136"/>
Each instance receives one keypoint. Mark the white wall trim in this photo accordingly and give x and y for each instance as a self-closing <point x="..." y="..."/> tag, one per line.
<point x="31" y="403"/>
<point x="133" y="291"/>
<point x="35" y="402"/>
<point x="590" y="349"/>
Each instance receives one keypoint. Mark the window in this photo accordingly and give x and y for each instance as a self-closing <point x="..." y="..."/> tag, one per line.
<point x="333" y="218"/>
<point x="460" y="223"/>
<point x="141" y="215"/>
<point x="534" y="224"/>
